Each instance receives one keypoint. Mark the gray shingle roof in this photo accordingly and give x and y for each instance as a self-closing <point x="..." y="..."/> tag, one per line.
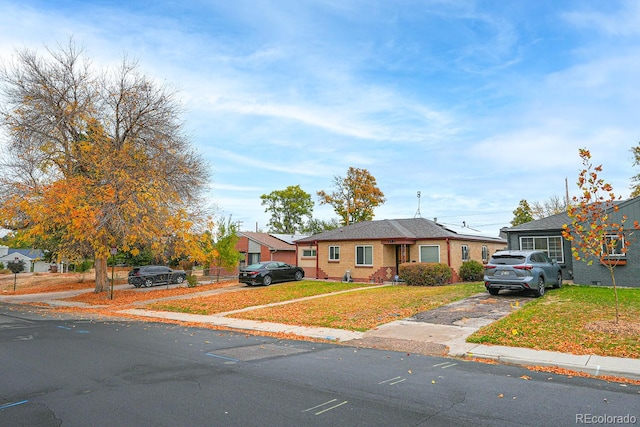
<point x="410" y="228"/>
<point x="553" y="222"/>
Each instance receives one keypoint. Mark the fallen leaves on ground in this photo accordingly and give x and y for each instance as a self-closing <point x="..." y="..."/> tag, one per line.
<point x="570" y="373"/>
<point x="131" y="296"/>
<point x="573" y="319"/>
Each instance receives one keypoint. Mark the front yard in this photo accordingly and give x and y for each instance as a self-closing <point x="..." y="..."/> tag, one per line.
<point x="573" y="319"/>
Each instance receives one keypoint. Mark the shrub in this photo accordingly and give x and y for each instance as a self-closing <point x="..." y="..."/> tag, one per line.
<point x="471" y="271"/>
<point x="192" y="281"/>
<point x="1" y="266"/>
<point x="423" y="274"/>
<point x="84" y="266"/>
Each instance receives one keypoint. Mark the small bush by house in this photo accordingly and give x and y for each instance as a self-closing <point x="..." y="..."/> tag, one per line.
<point x="424" y="274"/>
<point x="471" y="271"/>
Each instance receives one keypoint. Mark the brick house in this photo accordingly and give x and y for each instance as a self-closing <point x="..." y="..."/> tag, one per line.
<point x="373" y="250"/>
<point x="256" y="247"/>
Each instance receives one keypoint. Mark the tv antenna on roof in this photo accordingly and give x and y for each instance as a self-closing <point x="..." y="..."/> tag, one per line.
<point x="417" y="215"/>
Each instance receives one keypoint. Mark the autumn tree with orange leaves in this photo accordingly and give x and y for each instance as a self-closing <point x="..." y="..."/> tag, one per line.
<point x="95" y="159"/>
<point x="354" y="197"/>
<point x="597" y="231"/>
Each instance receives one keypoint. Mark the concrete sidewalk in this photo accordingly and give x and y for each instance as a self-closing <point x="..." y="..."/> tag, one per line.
<point x="451" y="337"/>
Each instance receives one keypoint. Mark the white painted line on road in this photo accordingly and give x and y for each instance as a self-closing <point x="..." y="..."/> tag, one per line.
<point x="331" y="408"/>
<point x="444" y="365"/>
<point x="389" y="380"/>
<point x="399" y="381"/>
<point x="325" y="404"/>
<point x="449" y="365"/>
<point x="320" y="405"/>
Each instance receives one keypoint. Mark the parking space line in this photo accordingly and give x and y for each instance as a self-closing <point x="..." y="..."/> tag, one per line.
<point x="231" y="359"/>
<point x="9" y="405"/>
<point x="445" y="365"/>
<point x="330" y="408"/>
<point x="320" y="405"/>
<point x="391" y="379"/>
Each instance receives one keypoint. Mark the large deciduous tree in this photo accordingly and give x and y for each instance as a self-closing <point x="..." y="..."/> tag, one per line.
<point x="522" y="214"/>
<point x="354" y="197"/>
<point x="554" y="205"/>
<point x="95" y="159"/>
<point x="597" y="231"/>
<point x="288" y="208"/>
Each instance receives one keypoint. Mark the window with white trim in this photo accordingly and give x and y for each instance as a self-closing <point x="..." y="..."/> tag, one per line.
<point x="465" y="253"/>
<point x="364" y="255"/>
<point x="485" y="254"/>
<point x="551" y="245"/>
<point x="309" y="253"/>
<point x="429" y="253"/>
<point x="613" y="246"/>
<point x="334" y="253"/>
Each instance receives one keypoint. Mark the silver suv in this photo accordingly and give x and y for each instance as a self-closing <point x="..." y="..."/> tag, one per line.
<point x="520" y="271"/>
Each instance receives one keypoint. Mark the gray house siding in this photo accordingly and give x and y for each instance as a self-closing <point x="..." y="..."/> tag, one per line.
<point x="627" y="275"/>
<point x="566" y="261"/>
<point x="581" y="272"/>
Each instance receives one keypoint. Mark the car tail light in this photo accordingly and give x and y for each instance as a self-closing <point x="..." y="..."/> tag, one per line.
<point x="489" y="267"/>
<point x="253" y="273"/>
<point x="523" y="267"/>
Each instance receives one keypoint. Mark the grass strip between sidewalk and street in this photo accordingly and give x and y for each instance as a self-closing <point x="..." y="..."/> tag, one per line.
<point x="573" y="319"/>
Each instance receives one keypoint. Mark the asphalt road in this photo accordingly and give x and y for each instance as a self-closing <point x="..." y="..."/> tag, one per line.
<point x="61" y="371"/>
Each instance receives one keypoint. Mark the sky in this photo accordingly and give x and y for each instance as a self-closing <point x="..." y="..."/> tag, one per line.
<point x="476" y="105"/>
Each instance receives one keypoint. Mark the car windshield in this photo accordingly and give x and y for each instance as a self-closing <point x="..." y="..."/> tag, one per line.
<point x="507" y="259"/>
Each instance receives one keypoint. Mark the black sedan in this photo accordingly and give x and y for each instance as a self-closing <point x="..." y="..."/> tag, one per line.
<point x="151" y="275"/>
<point x="266" y="273"/>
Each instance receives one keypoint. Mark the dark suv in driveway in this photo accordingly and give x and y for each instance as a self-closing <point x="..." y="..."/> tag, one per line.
<point x="520" y="271"/>
<point x="151" y="275"/>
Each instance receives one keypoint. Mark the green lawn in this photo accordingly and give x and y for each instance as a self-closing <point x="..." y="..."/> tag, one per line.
<point x="564" y="320"/>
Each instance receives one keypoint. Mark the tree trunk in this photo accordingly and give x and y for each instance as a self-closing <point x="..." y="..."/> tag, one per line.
<point x="615" y="293"/>
<point x="101" y="274"/>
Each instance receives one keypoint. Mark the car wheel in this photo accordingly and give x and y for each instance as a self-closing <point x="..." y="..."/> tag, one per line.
<point x="148" y="283"/>
<point x="179" y="279"/>
<point x="540" y="291"/>
<point x="266" y="280"/>
<point x="493" y="291"/>
<point x="137" y="285"/>
<point x="298" y="275"/>
<point x="558" y="282"/>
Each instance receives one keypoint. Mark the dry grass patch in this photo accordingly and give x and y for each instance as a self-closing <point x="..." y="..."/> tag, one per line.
<point x="365" y="309"/>
<point x="254" y="297"/>
<point x="32" y="283"/>
<point x="131" y="296"/>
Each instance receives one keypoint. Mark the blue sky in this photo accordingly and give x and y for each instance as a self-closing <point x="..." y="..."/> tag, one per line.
<point x="476" y="104"/>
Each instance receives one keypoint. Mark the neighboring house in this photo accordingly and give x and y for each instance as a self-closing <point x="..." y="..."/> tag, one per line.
<point x="373" y="250"/>
<point x="256" y="247"/>
<point x="546" y="234"/>
<point x="33" y="258"/>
